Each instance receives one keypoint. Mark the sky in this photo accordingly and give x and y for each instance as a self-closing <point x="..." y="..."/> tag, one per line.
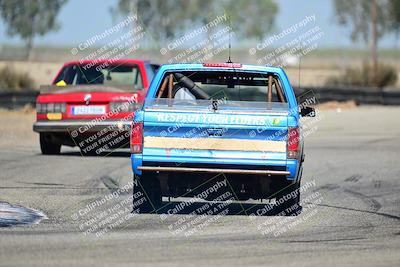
<point x="81" y="19"/>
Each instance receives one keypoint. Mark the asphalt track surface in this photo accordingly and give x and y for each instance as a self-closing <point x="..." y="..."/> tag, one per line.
<point x="351" y="213"/>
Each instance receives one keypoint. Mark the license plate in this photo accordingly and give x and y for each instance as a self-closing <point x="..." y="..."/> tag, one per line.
<point x="88" y="110"/>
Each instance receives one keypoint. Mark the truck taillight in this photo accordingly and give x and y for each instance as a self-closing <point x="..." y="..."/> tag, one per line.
<point x="293" y="143"/>
<point x="136" y="137"/>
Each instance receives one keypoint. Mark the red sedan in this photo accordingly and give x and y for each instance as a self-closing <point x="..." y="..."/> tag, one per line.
<point x="90" y="104"/>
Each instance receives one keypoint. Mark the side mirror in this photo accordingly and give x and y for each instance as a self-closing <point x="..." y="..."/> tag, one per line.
<point x="307" y="112"/>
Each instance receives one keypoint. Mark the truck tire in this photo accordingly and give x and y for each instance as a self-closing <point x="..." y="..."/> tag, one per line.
<point x="288" y="198"/>
<point x="149" y="187"/>
<point x="47" y="146"/>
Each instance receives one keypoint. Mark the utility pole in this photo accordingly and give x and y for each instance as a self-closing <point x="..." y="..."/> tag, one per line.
<point x="373" y="45"/>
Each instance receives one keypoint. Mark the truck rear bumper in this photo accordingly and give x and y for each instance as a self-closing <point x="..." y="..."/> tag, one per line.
<point x="81" y="126"/>
<point x="212" y="170"/>
<point x="288" y="168"/>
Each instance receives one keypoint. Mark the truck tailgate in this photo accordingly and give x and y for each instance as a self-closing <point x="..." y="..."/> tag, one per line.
<point x="233" y="136"/>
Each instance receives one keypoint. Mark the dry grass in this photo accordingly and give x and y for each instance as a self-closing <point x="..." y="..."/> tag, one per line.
<point x="312" y="74"/>
<point x="337" y="105"/>
<point x="17" y="127"/>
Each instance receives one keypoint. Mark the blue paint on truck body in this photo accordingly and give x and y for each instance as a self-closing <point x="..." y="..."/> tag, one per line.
<point x="247" y="125"/>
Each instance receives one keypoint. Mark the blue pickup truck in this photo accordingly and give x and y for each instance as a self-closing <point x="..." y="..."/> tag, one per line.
<point x="199" y="122"/>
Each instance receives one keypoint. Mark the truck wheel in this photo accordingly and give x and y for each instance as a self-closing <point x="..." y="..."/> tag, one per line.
<point x="288" y="198"/>
<point x="148" y="187"/>
<point x="47" y="146"/>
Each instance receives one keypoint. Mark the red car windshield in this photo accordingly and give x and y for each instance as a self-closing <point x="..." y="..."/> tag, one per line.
<point x="111" y="75"/>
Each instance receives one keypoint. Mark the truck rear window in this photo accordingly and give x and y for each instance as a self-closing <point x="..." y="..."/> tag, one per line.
<point x="230" y="86"/>
<point x="105" y="74"/>
<point x="225" y="91"/>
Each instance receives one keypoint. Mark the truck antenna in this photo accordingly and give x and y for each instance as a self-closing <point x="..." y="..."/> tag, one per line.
<point x="229" y="46"/>
<point x="299" y="70"/>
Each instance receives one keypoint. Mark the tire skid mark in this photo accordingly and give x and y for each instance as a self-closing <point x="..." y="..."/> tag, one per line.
<point x="371" y="202"/>
<point x="353" y="178"/>
<point x="327" y="187"/>
<point x="93" y="186"/>
<point x="43" y="183"/>
<point x="102" y="182"/>
<point x="110" y="183"/>
<point x="325" y="240"/>
<point x="363" y="211"/>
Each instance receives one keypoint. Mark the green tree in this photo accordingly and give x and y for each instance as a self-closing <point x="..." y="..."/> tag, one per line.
<point x="394" y="16"/>
<point x="167" y="19"/>
<point x="357" y="15"/>
<point x="251" y="19"/>
<point x="30" y="18"/>
<point x="163" y="19"/>
<point x="369" y="20"/>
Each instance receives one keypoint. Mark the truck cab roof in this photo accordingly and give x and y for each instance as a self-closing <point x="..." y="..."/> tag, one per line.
<point x="221" y="66"/>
